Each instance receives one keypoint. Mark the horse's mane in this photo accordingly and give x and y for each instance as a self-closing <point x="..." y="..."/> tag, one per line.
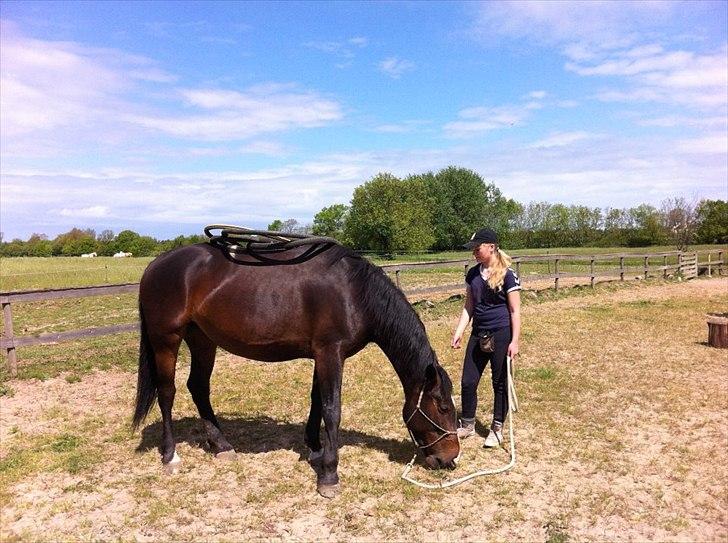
<point x="396" y="327"/>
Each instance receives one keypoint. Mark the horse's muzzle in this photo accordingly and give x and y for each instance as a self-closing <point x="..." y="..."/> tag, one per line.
<point x="434" y="461"/>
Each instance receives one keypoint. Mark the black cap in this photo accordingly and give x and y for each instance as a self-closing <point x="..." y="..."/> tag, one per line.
<point x="484" y="235"/>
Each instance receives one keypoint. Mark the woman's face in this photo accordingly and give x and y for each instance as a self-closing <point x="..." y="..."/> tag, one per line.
<point x="484" y="252"/>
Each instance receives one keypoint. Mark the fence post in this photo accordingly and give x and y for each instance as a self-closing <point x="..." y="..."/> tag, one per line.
<point x="709" y="274"/>
<point x="8" y="335"/>
<point x="664" y="266"/>
<point x="647" y="265"/>
<point x="591" y="268"/>
<point x="556" y="272"/>
<point x="720" y="266"/>
<point x="518" y="269"/>
<point x="621" y="268"/>
<point x="396" y="276"/>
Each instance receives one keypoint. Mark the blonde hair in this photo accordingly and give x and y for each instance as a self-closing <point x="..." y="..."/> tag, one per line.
<point x="497" y="269"/>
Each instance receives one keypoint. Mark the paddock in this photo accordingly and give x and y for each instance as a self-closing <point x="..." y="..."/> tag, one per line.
<point x="621" y="436"/>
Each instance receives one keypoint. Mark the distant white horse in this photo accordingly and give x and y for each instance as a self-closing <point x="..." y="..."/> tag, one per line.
<point x="122" y="254"/>
<point x="88" y="255"/>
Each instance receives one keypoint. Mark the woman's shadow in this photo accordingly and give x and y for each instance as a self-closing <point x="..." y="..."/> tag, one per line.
<point x="263" y="434"/>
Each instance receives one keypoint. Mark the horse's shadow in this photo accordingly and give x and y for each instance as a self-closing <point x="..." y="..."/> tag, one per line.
<point x="261" y="434"/>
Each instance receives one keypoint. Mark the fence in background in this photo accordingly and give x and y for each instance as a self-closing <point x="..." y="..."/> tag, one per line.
<point x="687" y="264"/>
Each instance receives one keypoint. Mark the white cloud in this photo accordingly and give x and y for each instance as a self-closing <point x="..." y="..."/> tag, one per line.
<point x="395" y="67"/>
<point x="238" y="115"/>
<point x="342" y="49"/>
<point x="477" y="120"/>
<point x="558" y="21"/>
<point x="561" y="139"/>
<point x="716" y="144"/>
<point x="619" y="172"/>
<point x="93" y="212"/>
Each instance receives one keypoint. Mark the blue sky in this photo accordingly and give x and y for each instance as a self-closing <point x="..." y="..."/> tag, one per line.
<point x="166" y="116"/>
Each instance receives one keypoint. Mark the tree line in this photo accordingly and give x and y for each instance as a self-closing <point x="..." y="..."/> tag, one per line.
<point x="440" y="211"/>
<point x="78" y="241"/>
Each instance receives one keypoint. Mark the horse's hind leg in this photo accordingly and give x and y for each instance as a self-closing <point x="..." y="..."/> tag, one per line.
<point x="312" y="437"/>
<point x="165" y="353"/>
<point x="202" y="350"/>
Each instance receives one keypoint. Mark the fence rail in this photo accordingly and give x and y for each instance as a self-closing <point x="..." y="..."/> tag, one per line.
<point x="688" y="263"/>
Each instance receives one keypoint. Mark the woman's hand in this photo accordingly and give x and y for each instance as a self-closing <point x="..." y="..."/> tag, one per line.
<point x="513" y="349"/>
<point x="457" y="339"/>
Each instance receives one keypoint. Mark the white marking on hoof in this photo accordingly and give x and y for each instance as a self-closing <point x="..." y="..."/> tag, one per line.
<point x="226" y="455"/>
<point x="172" y="467"/>
<point x="315" y="455"/>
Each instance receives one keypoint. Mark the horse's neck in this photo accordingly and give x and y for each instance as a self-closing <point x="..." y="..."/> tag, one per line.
<point x="405" y="343"/>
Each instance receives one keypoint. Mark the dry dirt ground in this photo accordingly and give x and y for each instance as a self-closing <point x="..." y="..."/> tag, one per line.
<point x="622" y="436"/>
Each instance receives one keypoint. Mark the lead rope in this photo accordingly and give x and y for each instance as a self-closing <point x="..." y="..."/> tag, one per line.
<point x="512" y="408"/>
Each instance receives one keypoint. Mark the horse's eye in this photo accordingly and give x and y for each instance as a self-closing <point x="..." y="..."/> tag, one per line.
<point x="443" y="407"/>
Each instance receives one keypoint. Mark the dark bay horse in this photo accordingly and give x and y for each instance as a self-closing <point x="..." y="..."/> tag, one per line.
<point x="327" y="307"/>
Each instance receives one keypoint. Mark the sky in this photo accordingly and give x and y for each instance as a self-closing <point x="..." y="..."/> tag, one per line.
<point x="162" y="117"/>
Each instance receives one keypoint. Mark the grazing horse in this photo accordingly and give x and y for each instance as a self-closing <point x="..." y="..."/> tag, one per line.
<point x="327" y="307"/>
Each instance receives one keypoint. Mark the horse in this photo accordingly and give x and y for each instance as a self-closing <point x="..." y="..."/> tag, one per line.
<point x="327" y="307"/>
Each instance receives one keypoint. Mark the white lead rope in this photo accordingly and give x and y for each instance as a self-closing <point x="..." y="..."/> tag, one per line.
<point x="512" y="408"/>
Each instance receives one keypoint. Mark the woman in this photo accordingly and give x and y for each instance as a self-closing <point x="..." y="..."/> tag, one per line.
<point x="493" y="301"/>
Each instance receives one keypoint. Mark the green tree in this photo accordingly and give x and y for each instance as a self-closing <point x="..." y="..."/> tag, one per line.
<point x="461" y="202"/>
<point x="646" y="227"/>
<point x="712" y="218"/>
<point x="330" y="221"/>
<point x="39" y="245"/>
<point x="275" y="226"/>
<point x="390" y="215"/>
<point x="75" y="242"/>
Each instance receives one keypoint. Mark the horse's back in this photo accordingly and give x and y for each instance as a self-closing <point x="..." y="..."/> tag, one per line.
<point x="266" y="312"/>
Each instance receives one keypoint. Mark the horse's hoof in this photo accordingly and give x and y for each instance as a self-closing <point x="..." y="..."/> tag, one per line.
<point x="329" y="491"/>
<point x="172" y="467"/>
<point x="228" y="455"/>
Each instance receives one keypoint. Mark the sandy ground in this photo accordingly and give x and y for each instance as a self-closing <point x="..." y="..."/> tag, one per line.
<point x="652" y="470"/>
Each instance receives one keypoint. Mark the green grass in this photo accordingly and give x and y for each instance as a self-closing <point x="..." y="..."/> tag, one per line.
<point x="28" y="273"/>
<point x="576" y="467"/>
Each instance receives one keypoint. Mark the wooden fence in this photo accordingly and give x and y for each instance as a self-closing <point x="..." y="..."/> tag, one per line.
<point x="687" y="263"/>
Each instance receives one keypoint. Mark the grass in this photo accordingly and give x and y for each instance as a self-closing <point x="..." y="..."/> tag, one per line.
<point x="593" y="363"/>
<point x="26" y="273"/>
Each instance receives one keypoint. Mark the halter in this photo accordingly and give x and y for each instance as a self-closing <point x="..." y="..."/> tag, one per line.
<point x="418" y="409"/>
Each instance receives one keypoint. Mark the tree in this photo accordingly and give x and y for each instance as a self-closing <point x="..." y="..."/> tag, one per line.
<point x="289" y="226"/>
<point x="75" y="242"/>
<point x="680" y="221"/>
<point x="646" y="228"/>
<point x="390" y="215"/>
<point x="461" y="203"/>
<point x="330" y="221"/>
<point x="712" y="216"/>
<point x="275" y="226"/>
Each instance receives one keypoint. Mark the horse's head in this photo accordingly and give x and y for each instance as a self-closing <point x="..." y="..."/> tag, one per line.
<point x="430" y="416"/>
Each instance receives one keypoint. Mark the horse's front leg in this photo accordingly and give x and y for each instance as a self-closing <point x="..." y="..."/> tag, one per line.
<point x="329" y="368"/>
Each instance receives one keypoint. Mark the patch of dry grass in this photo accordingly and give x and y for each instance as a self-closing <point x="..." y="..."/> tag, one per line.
<point x="620" y="436"/>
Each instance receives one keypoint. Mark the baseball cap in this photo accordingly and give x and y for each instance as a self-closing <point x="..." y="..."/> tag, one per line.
<point x="484" y="235"/>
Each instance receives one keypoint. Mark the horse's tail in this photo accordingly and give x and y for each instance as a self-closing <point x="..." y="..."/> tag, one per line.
<point x="147" y="376"/>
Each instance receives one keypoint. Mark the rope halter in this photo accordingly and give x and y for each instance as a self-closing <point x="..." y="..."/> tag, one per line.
<point x="418" y="409"/>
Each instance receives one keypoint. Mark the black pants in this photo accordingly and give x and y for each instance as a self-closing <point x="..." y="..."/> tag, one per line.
<point x="475" y="362"/>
